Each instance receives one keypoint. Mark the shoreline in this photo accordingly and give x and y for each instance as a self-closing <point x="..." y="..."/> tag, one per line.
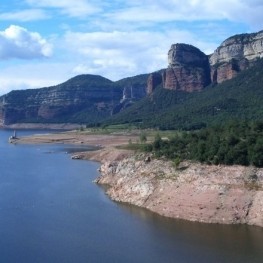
<point x="192" y="191"/>
<point x="105" y="143"/>
<point x="44" y="126"/>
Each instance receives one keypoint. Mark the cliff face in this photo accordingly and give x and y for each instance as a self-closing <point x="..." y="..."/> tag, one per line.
<point x="154" y="80"/>
<point x="190" y="70"/>
<point x="61" y="103"/>
<point x="234" y="55"/>
<point x="196" y="192"/>
<point x="249" y="46"/>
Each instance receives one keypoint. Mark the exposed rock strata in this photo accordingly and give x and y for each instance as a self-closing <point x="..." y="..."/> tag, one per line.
<point x="189" y="69"/>
<point x="153" y="81"/>
<point x="234" y="55"/>
<point x="249" y="46"/>
<point x="196" y="192"/>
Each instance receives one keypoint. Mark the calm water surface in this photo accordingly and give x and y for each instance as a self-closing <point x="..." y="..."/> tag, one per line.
<point x="50" y="211"/>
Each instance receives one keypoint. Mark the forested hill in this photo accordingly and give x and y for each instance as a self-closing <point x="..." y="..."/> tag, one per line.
<point x="237" y="99"/>
<point x="83" y="99"/>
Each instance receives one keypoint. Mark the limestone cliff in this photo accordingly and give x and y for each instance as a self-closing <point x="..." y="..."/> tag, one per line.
<point x="196" y="192"/>
<point x="249" y="46"/>
<point x="189" y="69"/>
<point x="234" y="55"/>
<point x="154" y="80"/>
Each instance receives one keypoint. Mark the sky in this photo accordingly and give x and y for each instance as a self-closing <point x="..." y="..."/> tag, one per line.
<point x="46" y="42"/>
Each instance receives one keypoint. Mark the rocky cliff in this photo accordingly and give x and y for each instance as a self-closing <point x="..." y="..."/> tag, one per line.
<point x="189" y="69"/>
<point x="196" y="192"/>
<point x="249" y="46"/>
<point x="234" y="55"/>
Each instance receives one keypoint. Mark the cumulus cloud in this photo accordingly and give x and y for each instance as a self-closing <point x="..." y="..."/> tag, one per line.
<point x="18" y="42"/>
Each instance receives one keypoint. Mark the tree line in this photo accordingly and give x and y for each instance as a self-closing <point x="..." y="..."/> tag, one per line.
<point x="234" y="143"/>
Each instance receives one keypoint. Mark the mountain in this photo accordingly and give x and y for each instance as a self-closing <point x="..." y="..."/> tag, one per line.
<point x="237" y="99"/>
<point x="83" y="99"/>
<point x="91" y="99"/>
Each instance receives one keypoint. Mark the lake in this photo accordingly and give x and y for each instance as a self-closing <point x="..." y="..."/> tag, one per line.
<point x="50" y="211"/>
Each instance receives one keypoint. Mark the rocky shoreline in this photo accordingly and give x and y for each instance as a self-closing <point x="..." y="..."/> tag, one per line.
<point x="190" y="191"/>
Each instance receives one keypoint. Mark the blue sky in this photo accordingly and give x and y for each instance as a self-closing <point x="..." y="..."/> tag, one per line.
<point x="46" y="42"/>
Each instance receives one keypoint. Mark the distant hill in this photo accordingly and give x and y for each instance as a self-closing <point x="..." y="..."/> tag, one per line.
<point x="237" y="99"/>
<point x="83" y="99"/>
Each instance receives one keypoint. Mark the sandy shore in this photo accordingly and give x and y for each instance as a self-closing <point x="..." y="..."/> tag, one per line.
<point x="106" y="144"/>
<point x="50" y="126"/>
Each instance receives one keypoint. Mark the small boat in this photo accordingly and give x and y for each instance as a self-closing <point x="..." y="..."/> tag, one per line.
<point x="13" y="138"/>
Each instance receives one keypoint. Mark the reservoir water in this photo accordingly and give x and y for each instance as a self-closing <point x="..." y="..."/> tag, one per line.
<point x="50" y="211"/>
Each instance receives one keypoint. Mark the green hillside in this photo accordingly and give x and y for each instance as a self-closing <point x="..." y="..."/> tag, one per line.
<point x="237" y="99"/>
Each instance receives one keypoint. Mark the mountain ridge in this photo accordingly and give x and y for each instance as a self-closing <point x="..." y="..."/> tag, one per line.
<point x="90" y="99"/>
<point x="239" y="99"/>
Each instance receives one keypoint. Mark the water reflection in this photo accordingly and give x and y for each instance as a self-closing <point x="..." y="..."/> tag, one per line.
<point x="205" y="242"/>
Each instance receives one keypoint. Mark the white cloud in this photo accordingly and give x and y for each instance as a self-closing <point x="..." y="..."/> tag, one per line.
<point x="118" y="12"/>
<point x="18" y="42"/>
<point x="79" y="8"/>
<point x="121" y="54"/>
<point x="24" y="15"/>
<point x="155" y="11"/>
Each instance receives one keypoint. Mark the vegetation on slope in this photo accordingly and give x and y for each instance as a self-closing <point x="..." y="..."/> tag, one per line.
<point x="237" y="99"/>
<point x="234" y="143"/>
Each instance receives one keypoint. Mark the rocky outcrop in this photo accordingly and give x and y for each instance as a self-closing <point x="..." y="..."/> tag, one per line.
<point x="154" y="80"/>
<point x="228" y="70"/>
<point x="130" y="94"/>
<point x="189" y="69"/>
<point x="249" y="46"/>
<point x="196" y="192"/>
<point x="234" y="55"/>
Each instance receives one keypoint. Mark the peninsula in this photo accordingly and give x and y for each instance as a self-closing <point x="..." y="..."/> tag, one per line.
<point x="190" y="191"/>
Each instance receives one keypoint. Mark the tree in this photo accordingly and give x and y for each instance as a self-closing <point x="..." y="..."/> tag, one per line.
<point x="143" y="137"/>
<point x="157" y="142"/>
